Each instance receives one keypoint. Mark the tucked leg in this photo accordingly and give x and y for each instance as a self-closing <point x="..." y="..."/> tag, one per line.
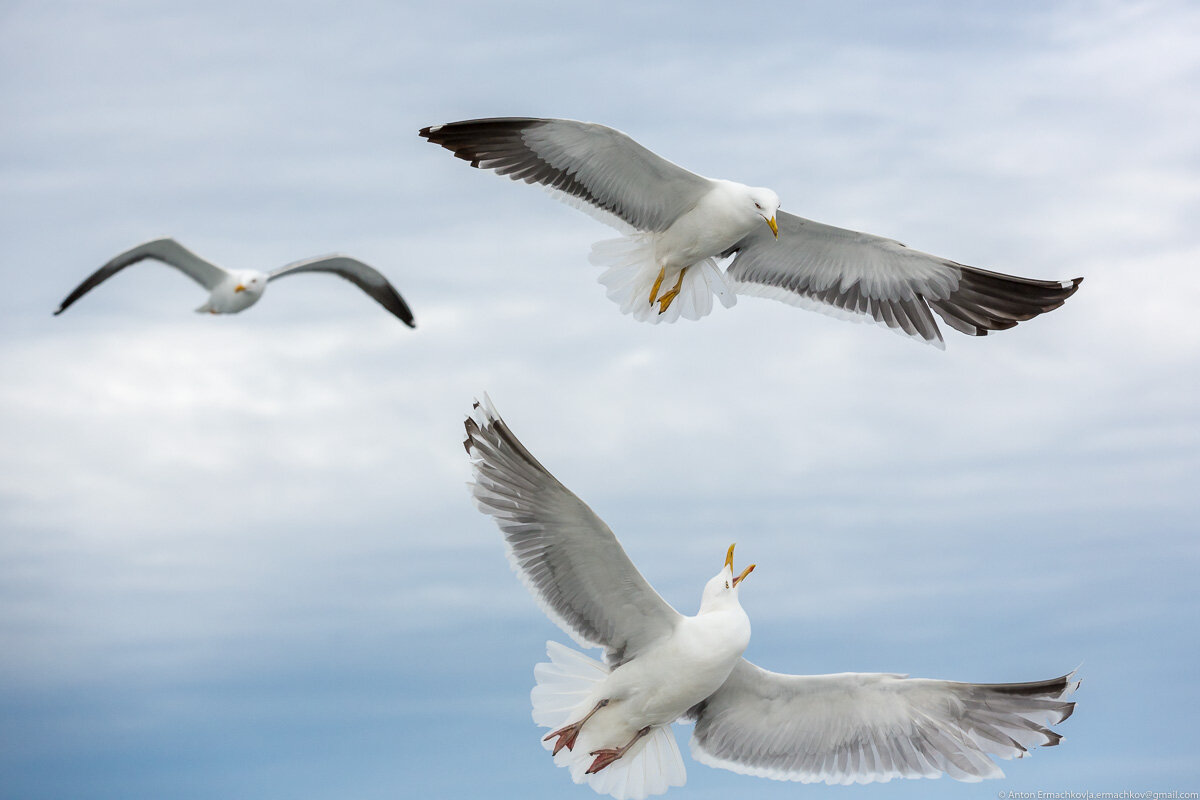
<point x="608" y="755"/>
<point x="568" y="733"/>
<point x="664" y="302"/>
<point x="662" y="272"/>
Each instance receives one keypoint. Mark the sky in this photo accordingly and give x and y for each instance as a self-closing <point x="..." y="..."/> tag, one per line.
<point x="237" y="555"/>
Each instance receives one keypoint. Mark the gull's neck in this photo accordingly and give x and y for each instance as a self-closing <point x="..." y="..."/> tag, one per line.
<point x="722" y="603"/>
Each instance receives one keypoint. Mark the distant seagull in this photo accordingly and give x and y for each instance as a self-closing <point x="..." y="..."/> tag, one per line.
<point x="611" y="723"/>
<point x="677" y="223"/>
<point x="231" y="292"/>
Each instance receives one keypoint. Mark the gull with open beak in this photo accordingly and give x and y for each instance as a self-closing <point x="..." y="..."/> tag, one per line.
<point x="610" y="723"/>
<point x="678" y="224"/>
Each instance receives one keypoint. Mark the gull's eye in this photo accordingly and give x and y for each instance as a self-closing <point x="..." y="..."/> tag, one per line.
<point x="756" y="205"/>
<point x="726" y="584"/>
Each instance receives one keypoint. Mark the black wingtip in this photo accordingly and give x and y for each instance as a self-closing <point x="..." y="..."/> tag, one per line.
<point x="1052" y="738"/>
<point x="472" y="428"/>
<point x="396" y="306"/>
<point x="407" y="318"/>
<point x="987" y="301"/>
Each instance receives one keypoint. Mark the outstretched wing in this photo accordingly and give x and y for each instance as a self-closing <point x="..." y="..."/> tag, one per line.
<point x="167" y="251"/>
<point x="862" y="276"/>
<point x="563" y="553"/>
<point x="861" y="728"/>
<point x="591" y="163"/>
<point x="365" y="277"/>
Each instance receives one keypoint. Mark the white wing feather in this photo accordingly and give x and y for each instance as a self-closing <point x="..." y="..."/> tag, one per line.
<point x="564" y="554"/>
<point x="861" y="728"/>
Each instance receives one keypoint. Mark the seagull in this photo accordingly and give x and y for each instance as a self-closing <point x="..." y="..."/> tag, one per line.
<point x="611" y="722"/>
<point x="234" y="291"/>
<point x="677" y="224"/>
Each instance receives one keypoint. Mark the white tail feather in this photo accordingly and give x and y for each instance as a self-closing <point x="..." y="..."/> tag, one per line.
<point x="632" y="271"/>
<point x="563" y="694"/>
<point x="563" y="685"/>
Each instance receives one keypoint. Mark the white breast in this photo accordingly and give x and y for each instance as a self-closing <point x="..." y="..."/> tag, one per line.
<point x="666" y="681"/>
<point x="225" y="299"/>
<point x="718" y="221"/>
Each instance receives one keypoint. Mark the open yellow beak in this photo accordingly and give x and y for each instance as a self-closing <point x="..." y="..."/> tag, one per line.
<point x="242" y="288"/>
<point x="729" y="563"/>
<point x="774" y="227"/>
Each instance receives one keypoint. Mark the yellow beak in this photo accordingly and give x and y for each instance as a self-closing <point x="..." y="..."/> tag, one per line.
<point x="241" y="288"/>
<point x="774" y="227"/>
<point x="729" y="563"/>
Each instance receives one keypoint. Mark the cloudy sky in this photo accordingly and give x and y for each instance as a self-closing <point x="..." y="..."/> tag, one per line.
<point x="237" y="558"/>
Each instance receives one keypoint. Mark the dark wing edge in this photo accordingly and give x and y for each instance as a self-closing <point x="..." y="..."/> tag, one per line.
<point x="562" y="552"/>
<point x="166" y="250"/>
<point x="498" y="144"/>
<point x="859" y="276"/>
<point x="587" y="162"/>
<point x="908" y="317"/>
<point x="864" y="728"/>
<point x="364" y="276"/>
<point x="988" y="301"/>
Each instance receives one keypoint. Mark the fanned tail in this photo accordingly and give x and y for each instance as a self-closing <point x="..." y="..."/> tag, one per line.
<point x="563" y="694"/>
<point x="632" y="271"/>
<point x="563" y="686"/>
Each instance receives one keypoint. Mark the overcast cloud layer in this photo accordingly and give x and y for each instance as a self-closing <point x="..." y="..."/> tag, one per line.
<point x="236" y="555"/>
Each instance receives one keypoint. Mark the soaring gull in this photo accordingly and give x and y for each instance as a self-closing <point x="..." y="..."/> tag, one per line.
<point x="611" y="723"/>
<point x="677" y="224"/>
<point x="233" y="291"/>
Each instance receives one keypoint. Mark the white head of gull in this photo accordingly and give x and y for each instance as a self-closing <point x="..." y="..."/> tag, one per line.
<point x="610" y="723"/>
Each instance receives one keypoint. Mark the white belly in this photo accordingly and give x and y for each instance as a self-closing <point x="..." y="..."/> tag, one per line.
<point x="660" y="685"/>
<point x="709" y="229"/>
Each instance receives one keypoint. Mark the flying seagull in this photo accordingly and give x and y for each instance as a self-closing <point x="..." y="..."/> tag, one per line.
<point x="677" y="224"/>
<point x="611" y="723"/>
<point x="234" y="291"/>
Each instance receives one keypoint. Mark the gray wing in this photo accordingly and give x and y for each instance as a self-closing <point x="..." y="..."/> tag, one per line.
<point x="167" y="251"/>
<point x="564" y="554"/>
<point x="864" y="276"/>
<point x="591" y="163"/>
<point x="861" y="728"/>
<point x="365" y="277"/>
